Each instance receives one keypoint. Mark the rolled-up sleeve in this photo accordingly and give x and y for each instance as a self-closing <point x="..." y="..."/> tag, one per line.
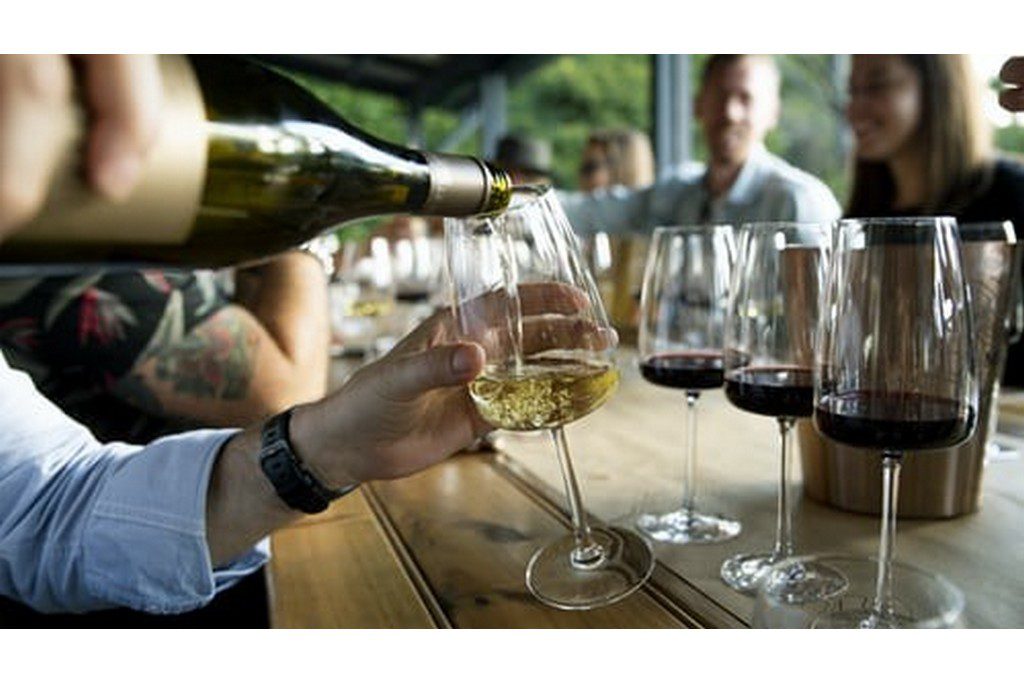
<point x="86" y="526"/>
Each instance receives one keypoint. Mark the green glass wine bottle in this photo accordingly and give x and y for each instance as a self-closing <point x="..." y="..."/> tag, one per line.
<point x="247" y="164"/>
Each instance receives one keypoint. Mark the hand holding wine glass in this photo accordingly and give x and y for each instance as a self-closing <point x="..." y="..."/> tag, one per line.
<point x="543" y="372"/>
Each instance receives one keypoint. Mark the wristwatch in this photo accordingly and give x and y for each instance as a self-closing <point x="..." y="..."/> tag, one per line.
<point x="295" y="484"/>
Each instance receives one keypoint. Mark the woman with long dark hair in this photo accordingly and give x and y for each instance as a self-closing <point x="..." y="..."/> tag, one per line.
<point x="923" y="147"/>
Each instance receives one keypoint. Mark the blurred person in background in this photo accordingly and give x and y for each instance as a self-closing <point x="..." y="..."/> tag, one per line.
<point x="737" y="105"/>
<point x="923" y="147"/>
<point x="527" y="159"/>
<point x="617" y="157"/>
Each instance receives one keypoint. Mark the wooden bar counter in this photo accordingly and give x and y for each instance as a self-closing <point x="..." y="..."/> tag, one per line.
<point x="449" y="546"/>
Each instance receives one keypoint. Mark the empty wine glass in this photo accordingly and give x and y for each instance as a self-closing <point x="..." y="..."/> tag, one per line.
<point x="769" y="358"/>
<point x="522" y="292"/>
<point x="682" y="328"/>
<point x="895" y="368"/>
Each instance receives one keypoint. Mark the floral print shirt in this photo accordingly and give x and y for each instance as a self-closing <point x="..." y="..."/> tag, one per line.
<point x="78" y="335"/>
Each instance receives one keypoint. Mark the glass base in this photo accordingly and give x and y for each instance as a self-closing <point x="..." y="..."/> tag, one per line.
<point x="688" y="526"/>
<point x="617" y="566"/>
<point x="801" y="582"/>
<point x="920" y="599"/>
<point x="744" y="573"/>
<point x="863" y="618"/>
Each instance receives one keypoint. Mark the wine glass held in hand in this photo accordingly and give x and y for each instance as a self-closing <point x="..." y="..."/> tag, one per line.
<point x="769" y="355"/>
<point x="544" y="371"/>
<point x="894" y="373"/>
<point x="682" y="326"/>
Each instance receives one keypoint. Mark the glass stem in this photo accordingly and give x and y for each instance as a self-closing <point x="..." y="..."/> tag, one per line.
<point x="586" y="553"/>
<point x="690" y="454"/>
<point x="784" y="514"/>
<point x="883" y="606"/>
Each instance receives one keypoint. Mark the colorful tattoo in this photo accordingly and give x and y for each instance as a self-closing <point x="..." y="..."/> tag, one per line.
<point x="214" y="361"/>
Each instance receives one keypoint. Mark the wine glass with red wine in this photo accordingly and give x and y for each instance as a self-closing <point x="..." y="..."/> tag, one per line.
<point x="769" y="361"/>
<point x="895" y="368"/>
<point x="682" y="328"/>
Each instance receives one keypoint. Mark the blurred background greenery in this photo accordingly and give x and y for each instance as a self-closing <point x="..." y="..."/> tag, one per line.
<point x="570" y="95"/>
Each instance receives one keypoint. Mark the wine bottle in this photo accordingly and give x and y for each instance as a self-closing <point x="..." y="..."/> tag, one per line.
<point x="247" y="164"/>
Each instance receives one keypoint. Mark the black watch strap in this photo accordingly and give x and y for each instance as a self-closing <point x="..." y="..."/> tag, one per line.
<point x="292" y="480"/>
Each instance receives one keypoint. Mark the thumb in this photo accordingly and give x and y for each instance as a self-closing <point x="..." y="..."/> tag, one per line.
<point x="442" y="366"/>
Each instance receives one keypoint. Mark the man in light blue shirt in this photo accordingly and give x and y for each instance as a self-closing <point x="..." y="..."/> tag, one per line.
<point x="737" y="105"/>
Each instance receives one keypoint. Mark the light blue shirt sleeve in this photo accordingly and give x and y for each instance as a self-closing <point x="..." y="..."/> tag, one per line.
<point x="86" y="526"/>
<point x="616" y="210"/>
<point x="622" y="210"/>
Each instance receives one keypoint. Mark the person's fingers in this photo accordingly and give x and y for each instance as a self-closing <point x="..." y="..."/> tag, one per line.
<point x="482" y="315"/>
<point x="540" y="334"/>
<point x="1013" y="71"/>
<point x="34" y="92"/>
<point x="556" y="332"/>
<point x="538" y="298"/>
<point x="1012" y="74"/>
<point x="407" y="377"/>
<point x="124" y="95"/>
<point x="1012" y="99"/>
<point x="491" y="309"/>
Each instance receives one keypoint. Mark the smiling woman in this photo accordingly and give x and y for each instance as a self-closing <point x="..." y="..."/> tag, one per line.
<point x="923" y="146"/>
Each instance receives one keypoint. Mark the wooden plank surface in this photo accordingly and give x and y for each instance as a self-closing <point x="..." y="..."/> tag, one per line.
<point x="691" y="604"/>
<point x="472" y="533"/>
<point x="628" y="458"/>
<point x="341" y="572"/>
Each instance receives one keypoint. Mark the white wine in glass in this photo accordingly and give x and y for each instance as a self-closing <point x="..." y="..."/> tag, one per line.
<point x="544" y="393"/>
<point x="521" y="291"/>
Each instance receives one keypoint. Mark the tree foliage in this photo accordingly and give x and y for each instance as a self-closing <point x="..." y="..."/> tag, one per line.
<point x="567" y="98"/>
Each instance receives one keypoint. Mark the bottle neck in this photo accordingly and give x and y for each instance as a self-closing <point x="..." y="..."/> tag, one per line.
<point x="463" y="186"/>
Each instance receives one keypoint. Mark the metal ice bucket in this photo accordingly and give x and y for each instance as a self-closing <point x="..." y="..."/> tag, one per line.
<point x="939" y="483"/>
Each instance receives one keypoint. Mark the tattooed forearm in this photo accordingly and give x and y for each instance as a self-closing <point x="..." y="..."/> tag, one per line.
<point x="215" y="361"/>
